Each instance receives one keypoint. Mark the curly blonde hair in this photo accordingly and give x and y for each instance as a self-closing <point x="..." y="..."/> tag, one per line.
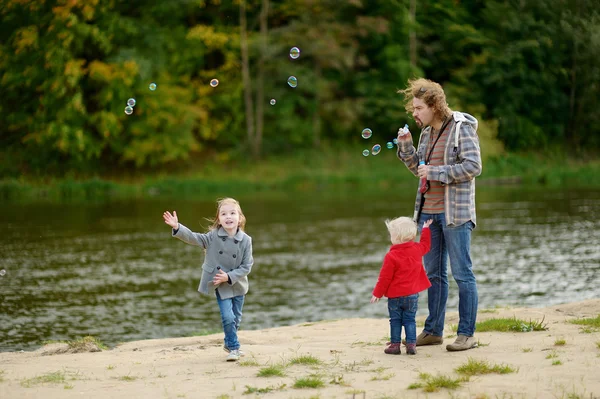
<point x="402" y="229"/>
<point x="430" y="92"/>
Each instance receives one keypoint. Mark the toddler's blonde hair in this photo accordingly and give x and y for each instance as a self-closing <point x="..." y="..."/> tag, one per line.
<point x="402" y="229"/>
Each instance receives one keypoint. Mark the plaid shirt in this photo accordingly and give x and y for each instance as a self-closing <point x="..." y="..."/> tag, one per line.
<point x="462" y="163"/>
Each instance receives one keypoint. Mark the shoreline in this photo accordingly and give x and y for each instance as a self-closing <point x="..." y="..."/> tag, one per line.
<point x="344" y="356"/>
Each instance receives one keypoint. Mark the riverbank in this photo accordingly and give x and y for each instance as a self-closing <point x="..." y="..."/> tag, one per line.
<point x="327" y="171"/>
<point x="328" y="359"/>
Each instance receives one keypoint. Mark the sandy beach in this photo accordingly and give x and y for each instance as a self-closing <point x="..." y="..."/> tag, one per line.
<point x="342" y="358"/>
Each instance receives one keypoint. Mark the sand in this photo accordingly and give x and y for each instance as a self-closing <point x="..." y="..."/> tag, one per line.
<point x="352" y="363"/>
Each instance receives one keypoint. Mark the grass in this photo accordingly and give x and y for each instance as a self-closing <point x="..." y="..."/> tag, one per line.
<point x="2" y="375"/>
<point x="527" y="350"/>
<point x="248" y="363"/>
<point x="556" y="362"/>
<point x="57" y="377"/>
<point x="308" y="360"/>
<point x="510" y="325"/>
<point x="559" y="342"/>
<point x="311" y="381"/>
<point x="382" y="377"/>
<point x="430" y="383"/>
<point x="552" y="355"/>
<point x="598" y="344"/>
<point x="250" y="390"/>
<point x="331" y="167"/>
<point x="127" y="378"/>
<point x="480" y="367"/>
<point x="589" y="325"/>
<point x="274" y="370"/>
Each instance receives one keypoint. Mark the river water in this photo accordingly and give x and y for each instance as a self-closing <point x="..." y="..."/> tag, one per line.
<point x="112" y="270"/>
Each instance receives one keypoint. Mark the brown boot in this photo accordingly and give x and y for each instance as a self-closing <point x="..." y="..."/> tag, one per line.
<point x="393" y="349"/>
<point x="428" y="339"/>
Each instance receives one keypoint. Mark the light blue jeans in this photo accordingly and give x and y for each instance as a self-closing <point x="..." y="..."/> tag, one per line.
<point x="231" y="317"/>
<point x="402" y="312"/>
<point x="454" y="243"/>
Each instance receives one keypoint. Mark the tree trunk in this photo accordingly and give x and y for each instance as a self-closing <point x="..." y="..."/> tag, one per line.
<point x="246" y="78"/>
<point x="412" y="33"/>
<point x="316" y="122"/>
<point x="260" y="79"/>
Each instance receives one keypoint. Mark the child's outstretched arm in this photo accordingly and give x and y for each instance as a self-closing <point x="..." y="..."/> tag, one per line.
<point x="183" y="233"/>
<point x="425" y="242"/>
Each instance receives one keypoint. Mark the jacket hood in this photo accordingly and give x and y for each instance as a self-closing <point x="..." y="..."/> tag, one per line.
<point x="465" y="118"/>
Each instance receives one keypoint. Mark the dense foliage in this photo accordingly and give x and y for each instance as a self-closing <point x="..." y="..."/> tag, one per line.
<point x="528" y="69"/>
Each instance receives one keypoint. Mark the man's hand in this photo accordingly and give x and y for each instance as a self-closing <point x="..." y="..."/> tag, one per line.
<point x="171" y="220"/>
<point x="422" y="171"/>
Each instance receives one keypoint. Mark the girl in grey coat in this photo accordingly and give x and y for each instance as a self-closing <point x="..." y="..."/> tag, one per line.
<point x="227" y="263"/>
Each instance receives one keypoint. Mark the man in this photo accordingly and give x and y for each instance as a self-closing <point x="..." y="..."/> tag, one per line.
<point x="449" y="148"/>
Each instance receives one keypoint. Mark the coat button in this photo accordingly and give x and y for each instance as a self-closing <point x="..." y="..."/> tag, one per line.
<point x="235" y="241"/>
<point x="220" y="252"/>
<point x="234" y="256"/>
<point x="223" y="238"/>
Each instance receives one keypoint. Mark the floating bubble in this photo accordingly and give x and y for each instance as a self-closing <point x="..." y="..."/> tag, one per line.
<point x="2" y="272"/>
<point x="131" y="102"/>
<point x="366" y="153"/>
<point x="152" y="86"/>
<point x="376" y="149"/>
<point x="390" y="145"/>
<point x="273" y="101"/>
<point x="294" y="52"/>
<point x="366" y="133"/>
<point x="395" y="141"/>
<point x="214" y="82"/>
<point x="292" y="81"/>
<point x="128" y="110"/>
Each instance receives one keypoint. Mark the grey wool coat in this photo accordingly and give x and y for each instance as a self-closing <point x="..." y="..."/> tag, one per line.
<point x="232" y="254"/>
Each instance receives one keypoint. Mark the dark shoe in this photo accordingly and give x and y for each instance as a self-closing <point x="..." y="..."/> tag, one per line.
<point x="393" y="349"/>
<point x="462" y="343"/>
<point x="411" y="349"/>
<point x="428" y="339"/>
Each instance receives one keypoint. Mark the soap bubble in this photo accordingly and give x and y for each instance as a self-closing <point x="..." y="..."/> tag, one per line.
<point x="128" y="110"/>
<point x="366" y="153"/>
<point x="366" y="133"/>
<point x="152" y="86"/>
<point x="273" y="101"/>
<point x="2" y="272"/>
<point x="292" y="81"/>
<point x="390" y="145"/>
<point x="376" y="149"/>
<point x="294" y="52"/>
<point x="214" y="82"/>
<point x="131" y="102"/>
<point x="395" y="141"/>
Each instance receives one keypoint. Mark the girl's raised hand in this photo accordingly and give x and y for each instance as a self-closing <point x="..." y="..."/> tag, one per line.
<point x="171" y="220"/>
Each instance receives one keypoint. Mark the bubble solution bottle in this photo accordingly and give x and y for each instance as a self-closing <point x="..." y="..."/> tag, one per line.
<point x="424" y="185"/>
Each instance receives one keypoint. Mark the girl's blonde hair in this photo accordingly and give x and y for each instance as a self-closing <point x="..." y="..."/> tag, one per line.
<point x="430" y="92"/>
<point x="402" y="229"/>
<point x="227" y="201"/>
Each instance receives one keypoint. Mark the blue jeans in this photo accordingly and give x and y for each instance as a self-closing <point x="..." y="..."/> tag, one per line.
<point x="402" y="313"/>
<point x="453" y="242"/>
<point x="231" y="317"/>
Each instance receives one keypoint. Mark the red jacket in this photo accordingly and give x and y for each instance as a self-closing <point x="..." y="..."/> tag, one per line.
<point x="402" y="272"/>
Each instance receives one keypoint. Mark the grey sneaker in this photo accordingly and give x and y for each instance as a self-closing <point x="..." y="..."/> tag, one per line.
<point x="226" y="349"/>
<point x="233" y="356"/>
<point x="462" y="343"/>
<point x="428" y="339"/>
